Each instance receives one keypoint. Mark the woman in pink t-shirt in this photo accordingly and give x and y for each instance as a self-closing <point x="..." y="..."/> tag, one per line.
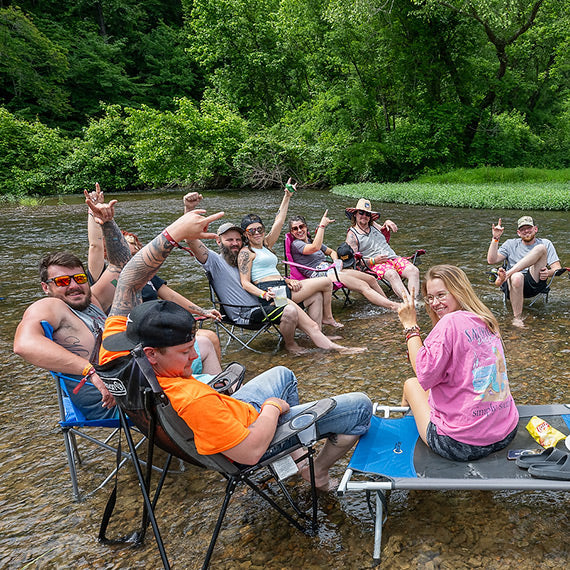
<point x="460" y="396"/>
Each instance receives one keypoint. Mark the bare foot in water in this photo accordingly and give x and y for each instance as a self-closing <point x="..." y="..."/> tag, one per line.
<point x="501" y="277"/>
<point x="518" y="322"/>
<point x="324" y="484"/>
<point x="350" y="349"/>
<point x="333" y="337"/>
<point x="334" y="324"/>
<point x="296" y="350"/>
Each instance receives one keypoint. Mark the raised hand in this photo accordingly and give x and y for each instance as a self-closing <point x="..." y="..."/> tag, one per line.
<point x="193" y="225"/>
<point x="325" y="221"/>
<point x="390" y="226"/>
<point x="498" y="230"/>
<point x="191" y="201"/>
<point x="101" y="212"/>
<point x="407" y="310"/>
<point x="97" y="196"/>
<point x="290" y="188"/>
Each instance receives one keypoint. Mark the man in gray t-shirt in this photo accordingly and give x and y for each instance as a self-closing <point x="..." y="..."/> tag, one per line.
<point x="531" y="261"/>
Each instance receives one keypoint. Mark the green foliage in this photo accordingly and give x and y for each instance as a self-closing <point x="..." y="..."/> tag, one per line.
<point x="490" y="175"/>
<point x="217" y="92"/>
<point x="29" y="153"/>
<point x="507" y="141"/>
<point x="32" y="67"/>
<point x="104" y="154"/>
<point x="187" y="147"/>
<point x="495" y="195"/>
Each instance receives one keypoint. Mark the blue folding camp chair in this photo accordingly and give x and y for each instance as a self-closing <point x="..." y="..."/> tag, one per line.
<point x="391" y="455"/>
<point x="72" y="423"/>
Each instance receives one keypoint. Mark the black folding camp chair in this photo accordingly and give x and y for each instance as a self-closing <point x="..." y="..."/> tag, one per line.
<point x="244" y="334"/>
<point x="493" y="274"/>
<point x="74" y="425"/>
<point x="139" y="395"/>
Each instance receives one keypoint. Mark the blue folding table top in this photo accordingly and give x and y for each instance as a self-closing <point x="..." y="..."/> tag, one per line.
<point x="393" y="450"/>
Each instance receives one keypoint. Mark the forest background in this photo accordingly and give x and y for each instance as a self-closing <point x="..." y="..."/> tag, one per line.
<point x="143" y="94"/>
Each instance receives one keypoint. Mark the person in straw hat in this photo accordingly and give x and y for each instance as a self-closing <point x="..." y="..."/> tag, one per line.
<point x="371" y="239"/>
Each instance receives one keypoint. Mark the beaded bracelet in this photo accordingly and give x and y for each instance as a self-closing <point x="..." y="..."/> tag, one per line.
<point x="414" y="328"/>
<point x="411" y="335"/>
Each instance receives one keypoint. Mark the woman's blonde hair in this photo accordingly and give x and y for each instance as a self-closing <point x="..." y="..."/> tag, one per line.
<point x="458" y="284"/>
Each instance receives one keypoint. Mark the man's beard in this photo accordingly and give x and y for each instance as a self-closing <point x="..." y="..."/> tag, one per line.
<point x="229" y="256"/>
<point x="81" y="306"/>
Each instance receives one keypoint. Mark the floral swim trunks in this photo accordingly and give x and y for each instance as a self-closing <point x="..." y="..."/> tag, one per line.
<point x="398" y="263"/>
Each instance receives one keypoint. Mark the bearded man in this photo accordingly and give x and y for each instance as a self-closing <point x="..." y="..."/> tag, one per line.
<point x="224" y="274"/>
<point x="531" y="261"/>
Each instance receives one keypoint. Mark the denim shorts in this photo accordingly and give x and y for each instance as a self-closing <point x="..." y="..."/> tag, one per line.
<point x="351" y="416"/>
<point x="456" y="451"/>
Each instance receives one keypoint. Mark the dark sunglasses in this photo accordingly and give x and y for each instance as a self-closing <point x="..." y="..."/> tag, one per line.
<point x="298" y="228"/>
<point x="364" y="213"/>
<point x="65" y="280"/>
<point x="254" y="231"/>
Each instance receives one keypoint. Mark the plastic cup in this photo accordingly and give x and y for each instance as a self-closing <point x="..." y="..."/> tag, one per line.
<point x="280" y="295"/>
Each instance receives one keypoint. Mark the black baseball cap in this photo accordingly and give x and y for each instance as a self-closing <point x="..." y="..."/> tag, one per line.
<point x="154" y="323"/>
<point x="250" y="219"/>
<point x="346" y="254"/>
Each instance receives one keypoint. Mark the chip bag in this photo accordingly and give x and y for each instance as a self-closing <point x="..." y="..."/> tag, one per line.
<point x="543" y="432"/>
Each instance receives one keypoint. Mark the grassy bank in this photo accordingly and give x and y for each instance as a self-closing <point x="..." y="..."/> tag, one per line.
<point x="492" y="188"/>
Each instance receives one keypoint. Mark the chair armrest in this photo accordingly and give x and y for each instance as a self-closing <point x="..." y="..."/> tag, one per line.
<point x="302" y="424"/>
<point x="228" y="380"/>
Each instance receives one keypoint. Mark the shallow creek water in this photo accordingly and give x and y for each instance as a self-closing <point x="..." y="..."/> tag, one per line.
<point x="41" y="526"/>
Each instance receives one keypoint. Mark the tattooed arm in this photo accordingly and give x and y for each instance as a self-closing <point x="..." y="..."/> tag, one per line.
<point x="145" y="264"/>
<point x="118" y="252"/>
<point x="245" y="261"/>
<point x="199" y="250"/>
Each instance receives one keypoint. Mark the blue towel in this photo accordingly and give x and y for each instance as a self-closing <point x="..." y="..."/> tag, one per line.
<point x="387" y="448"/>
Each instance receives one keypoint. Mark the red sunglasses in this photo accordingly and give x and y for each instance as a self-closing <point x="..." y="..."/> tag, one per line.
<point x="65" y="280"/>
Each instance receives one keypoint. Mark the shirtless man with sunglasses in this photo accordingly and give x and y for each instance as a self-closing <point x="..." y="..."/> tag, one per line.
<point x="77" y="313"/>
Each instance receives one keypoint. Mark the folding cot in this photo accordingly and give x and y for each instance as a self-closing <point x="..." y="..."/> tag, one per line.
<point x="392" y="456"/>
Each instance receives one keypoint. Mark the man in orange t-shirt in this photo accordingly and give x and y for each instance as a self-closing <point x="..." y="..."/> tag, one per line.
<point x="240" y="426"/>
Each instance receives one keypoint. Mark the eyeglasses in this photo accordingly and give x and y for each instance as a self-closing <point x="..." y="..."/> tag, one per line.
<point x="253" y="231"/>
<point x="440" y="297"/>
<point x="364" y="213"/>
<point x="298" y="228"/>
<point x="65" y="280"/>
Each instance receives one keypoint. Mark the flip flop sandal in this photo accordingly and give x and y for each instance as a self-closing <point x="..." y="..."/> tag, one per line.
<point x="548" y="456"/>
<point x="559" y="471"/>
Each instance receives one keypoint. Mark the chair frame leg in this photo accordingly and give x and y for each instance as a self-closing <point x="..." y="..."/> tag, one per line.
<point x="149" y="506"/>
